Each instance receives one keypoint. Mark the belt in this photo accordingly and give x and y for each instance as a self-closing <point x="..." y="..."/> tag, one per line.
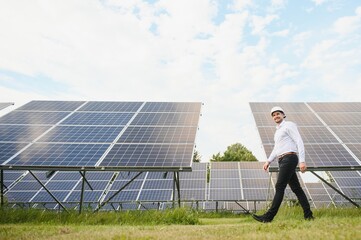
<point x="285" y="154"/>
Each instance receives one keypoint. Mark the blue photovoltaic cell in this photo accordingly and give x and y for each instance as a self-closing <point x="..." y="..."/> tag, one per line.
<point x="69" y="155"/>
<point x="111" y="106"/>
<point x="148" y="155"/>
<point x="172" y="107"/>
<point x="155" y="195"/>
<point x="58" y="106"/>
<point x="85" y="134"/>
<point x="21" y="133"/>
<point x="9" y="149"/>
<point x="44" y="197"/>
<point x="98" y="118"/>
<point x="123" y="196"/>
<point x="19" y="117"/>
<point x="166" y="119"/>
<point x="158" y="135"/>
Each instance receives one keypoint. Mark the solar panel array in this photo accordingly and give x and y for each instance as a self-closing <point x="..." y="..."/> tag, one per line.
<point x="155" y="189"/>
<point x="238" y="181"/>
<point x="349" y="183"/>
<point x="329" y="131"/>
<point x="62" y="135"/>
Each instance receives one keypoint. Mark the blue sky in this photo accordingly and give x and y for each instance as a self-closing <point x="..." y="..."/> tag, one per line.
<point x="222" y="53"/>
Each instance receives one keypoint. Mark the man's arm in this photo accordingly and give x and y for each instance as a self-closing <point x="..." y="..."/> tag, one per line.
<point x="296" y="137"/>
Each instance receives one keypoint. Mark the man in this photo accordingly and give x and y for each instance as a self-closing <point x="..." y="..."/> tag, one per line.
<point x="289" y="150"/>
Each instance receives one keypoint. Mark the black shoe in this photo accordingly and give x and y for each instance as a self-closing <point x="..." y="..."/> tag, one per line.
<point x="261" y="218"/>
<point x="310" y="218"/>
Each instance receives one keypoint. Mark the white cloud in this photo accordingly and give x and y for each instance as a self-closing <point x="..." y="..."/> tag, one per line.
<point x="259" y="23"/>
<point x="348" y="24"/>
<point x="282" y="33"/>
<point x="319" y="2"/>
<point x="277" y="4"/>
<point x="133" y="50"/>
<point x="240" y="5"/>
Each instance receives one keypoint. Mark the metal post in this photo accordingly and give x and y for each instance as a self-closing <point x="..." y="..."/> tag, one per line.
<point x="178" y="188"/>
<point x="2" y="187"/>
<point x="339" y="192"/>
<point x="174" y="182"/>
<point x="82" y="193"/>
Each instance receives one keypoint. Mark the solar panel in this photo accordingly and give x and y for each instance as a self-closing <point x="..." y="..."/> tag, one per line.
<point x="111" y="106"/>
<point x="114" y="135"/>
<point x="58" y="106"/>
<point x="21" y="133"/>
<point x="348" y="134"/>
<point x="172" y="107"/>
<point x="349" y="183"/>
<point x="301" y="119"/>
<point x="324" y="155"/>
<point x="319" y="195"/>
<point x="98" y="181"/>
<point x="318" y="124"/>
<point x="81" y="134"/>
<point x="59" y="155"/>
<point x="33" y="118"/>
<point x="286" y="106"/>
<point x="17" y="193"/>
<point x="149" y="156"/>
<point x="336" y="106"/>
<point x="146" y="134"/>
<point x="5" y="105"/>
<point x="166" y="119"/>
<point x="225" y="181"/>
<point x="7" y="150"/>
<point x="332" y="119"/>
<point x="255" y="181"/>
<point x="98" y="118"/>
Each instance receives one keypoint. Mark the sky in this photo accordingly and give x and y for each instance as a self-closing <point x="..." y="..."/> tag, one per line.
<point x="222" y="53"/>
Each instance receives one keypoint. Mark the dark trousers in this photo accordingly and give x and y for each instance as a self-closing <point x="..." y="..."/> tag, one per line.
<point x="287" y="175"/>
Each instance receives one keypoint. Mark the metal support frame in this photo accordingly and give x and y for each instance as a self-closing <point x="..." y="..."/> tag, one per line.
<point x="176" y="181"/>
<point x="338" y="191"/>
<point x="2" y="187"/>
<point x="246" y="210"/>
<point x="82" y="191"/>
<point x="37" y="179"/>
<point x="86" y="181"/>
<point x="269" y="188"/>
<point x="103" y="203"/>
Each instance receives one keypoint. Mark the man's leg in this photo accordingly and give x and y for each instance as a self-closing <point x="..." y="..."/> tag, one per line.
<point x="296" y="188"/>
<point x="287" y="167"/>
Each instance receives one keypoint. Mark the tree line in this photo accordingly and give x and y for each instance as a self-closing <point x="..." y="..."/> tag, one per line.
<point x="234" y="153"/>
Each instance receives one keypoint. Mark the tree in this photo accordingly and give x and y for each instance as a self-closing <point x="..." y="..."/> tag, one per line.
<point x="235" y="153"/>
<point x="196" y="156"/>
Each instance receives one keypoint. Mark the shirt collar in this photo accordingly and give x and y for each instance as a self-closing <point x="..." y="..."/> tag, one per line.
<point x="282" y="123"/>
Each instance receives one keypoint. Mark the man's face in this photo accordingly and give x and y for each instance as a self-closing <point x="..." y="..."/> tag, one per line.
<point x="278" y="117"/>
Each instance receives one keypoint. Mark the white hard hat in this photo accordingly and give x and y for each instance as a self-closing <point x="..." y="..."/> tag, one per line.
<point x="277" y="109"/>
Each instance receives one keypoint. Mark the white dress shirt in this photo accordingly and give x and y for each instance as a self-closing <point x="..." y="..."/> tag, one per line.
<point x="287" y="139"/>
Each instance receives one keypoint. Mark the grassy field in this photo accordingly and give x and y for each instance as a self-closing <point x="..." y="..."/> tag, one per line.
<point x="180" y="224"/>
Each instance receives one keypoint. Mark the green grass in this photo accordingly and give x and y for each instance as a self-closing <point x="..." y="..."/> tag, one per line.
<point x="181" y="224"/>
<point x="150" y="217"/>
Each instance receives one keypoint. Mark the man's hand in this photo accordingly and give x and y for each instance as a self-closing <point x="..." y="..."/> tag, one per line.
<point x="303" y="167"/>
<point x="265" y="166"/>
